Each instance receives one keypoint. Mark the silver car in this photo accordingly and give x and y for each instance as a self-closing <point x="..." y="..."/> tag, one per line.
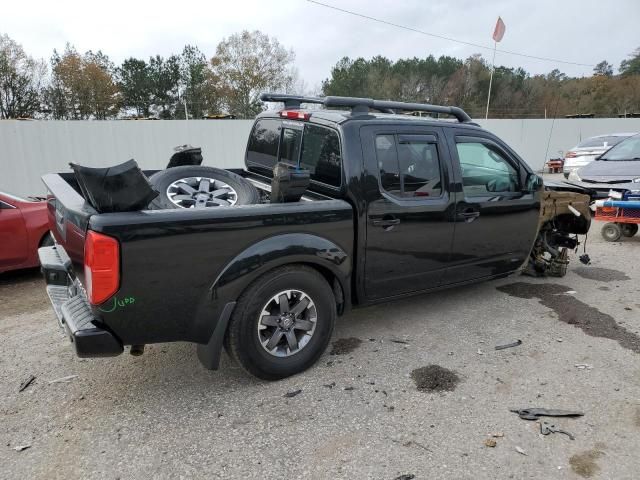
<point x="586" y="151"/>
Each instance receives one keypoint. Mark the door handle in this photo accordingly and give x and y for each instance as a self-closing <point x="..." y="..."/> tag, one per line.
<point x="386" y="221"/>
<point x="468" y="215"/>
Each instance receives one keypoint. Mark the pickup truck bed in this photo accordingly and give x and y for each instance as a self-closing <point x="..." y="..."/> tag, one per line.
<point x="195" y="279"/>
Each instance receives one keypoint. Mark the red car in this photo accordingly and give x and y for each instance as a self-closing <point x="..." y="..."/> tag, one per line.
<point x="24" y="227"/>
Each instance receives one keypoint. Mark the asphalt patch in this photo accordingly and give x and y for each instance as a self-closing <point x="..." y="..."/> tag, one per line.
<point x="570" y="310"/>
<point x="342" y="346"/>
<point x="434" y="378"/>
<point x="584" y="463"/>
<point x="601" y="274"/>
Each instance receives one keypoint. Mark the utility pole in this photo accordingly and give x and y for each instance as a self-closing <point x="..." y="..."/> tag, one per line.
<point x="493" y="66"/>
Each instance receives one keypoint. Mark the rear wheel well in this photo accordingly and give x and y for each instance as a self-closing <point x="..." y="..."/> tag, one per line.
<point x="333" y="282"/>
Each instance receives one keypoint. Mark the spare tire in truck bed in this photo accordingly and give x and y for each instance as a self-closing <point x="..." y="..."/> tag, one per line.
<point x="201" y="187"/>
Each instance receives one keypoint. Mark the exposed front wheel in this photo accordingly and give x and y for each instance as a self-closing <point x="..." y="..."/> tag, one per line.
<point x="611" y="232"/>
<point x="282" y="323"/>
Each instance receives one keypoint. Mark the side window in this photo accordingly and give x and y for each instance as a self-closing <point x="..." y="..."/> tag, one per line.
<point x="290" y="146"/>
<point x="263" y="143"/>
<point x="321" y="154"/>
<point x="485" y="169"/>
<point x="409" y="165"/>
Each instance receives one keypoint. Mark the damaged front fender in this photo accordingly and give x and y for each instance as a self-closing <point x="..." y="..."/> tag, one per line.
<point x="563" y="216"/>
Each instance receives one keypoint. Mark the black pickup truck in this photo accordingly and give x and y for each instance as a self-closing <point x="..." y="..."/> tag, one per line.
<point x="397" y="204"/>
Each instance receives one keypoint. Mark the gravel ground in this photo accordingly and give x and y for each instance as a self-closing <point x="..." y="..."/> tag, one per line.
<point x="359" y="412"/>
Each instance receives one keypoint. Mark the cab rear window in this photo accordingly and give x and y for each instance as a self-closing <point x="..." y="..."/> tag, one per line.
<point x="310" y="146"/>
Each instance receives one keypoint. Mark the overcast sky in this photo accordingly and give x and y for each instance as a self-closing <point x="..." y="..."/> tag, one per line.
<point x="583" y="31"/>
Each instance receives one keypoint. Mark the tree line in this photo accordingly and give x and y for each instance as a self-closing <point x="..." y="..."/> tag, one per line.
<point x="465" y="83"/>
<point x="79" y="86"/>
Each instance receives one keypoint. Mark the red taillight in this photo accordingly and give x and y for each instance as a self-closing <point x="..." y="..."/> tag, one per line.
<point x="101" y="267"/>
<point x="295" y="115"/>
<point x="571" y="154"/>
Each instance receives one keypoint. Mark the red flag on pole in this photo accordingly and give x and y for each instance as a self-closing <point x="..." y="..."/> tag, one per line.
<point x="498" y="32"/>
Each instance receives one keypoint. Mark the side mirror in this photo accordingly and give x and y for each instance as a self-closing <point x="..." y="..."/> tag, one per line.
<point x="534" y="183"/>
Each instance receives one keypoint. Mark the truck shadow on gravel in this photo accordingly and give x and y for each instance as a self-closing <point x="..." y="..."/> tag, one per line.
<point x="570" y="310"/>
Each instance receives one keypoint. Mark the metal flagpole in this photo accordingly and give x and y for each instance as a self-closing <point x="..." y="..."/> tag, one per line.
<point x="493" y="66"/>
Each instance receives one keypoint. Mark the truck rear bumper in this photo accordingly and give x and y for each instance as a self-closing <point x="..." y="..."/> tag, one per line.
<point x="72" y="309"/>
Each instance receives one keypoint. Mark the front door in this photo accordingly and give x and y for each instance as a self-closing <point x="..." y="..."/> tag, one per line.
<point x="409" y="207"/>
<point x="496" y="219"/>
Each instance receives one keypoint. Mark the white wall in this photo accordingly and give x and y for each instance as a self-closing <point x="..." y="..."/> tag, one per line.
<point x="29" y="149"/>
<point x="530" y="137"/>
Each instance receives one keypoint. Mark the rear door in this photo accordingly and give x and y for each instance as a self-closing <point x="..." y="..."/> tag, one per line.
<point x="13" y="236"/>
<point x="496" y="219"/>
<point x="408" y="209"/>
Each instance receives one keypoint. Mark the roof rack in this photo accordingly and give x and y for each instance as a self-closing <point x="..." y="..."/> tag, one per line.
<point x="363" y="105"/>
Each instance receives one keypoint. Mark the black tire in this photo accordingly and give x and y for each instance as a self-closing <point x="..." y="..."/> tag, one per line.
<point x="611" y="232"/>
<point x="243" y="337"/>
<point x="241" y="191"/>
<point x="629" y="229"/>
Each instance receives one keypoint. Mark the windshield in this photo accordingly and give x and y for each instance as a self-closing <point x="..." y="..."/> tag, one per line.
<point x="601" y="142"/>
<point x="626" y="150"/>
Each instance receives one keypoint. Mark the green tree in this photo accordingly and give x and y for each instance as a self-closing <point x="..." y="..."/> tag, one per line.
<point x="164" y="77"/>
<point x="200" y="89"/>
<point x="603" y="68"/>
<point x="135" y="86"/>
<point x="248" y="63"/>
<point x="631" y="66"/>
<point x="21" y="80"/>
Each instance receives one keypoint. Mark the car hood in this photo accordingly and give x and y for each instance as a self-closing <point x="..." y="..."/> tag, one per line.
<point x="606" y="171"/>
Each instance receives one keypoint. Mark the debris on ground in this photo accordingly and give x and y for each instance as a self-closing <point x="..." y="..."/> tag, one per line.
<point x="546" y="428"/>
<point x="20" y="448"/>
<point x="536" y="413"/>
<point x="434" y="378"/>
<point x="417" y="444"/>
<point x="480" y="352"/>
<point x="585" y="259"/>
<point x="559" y="340"/>
<point x="405" y="476"/>
<point x="497" y="434"/>
<point x="520" y="450"/>
<point x="490" y="442"/>
<point x="26" y="383"/>
<point x="292" y="394"/>
<point x="583" y="366"/>
<point x="329" y="385"/>
<point x="395" y="340"/>
<point x="343" y="346"/>
<point x="63" y="379"/>
<point x="349" y="388"/>
<point x="508" y="345"/>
